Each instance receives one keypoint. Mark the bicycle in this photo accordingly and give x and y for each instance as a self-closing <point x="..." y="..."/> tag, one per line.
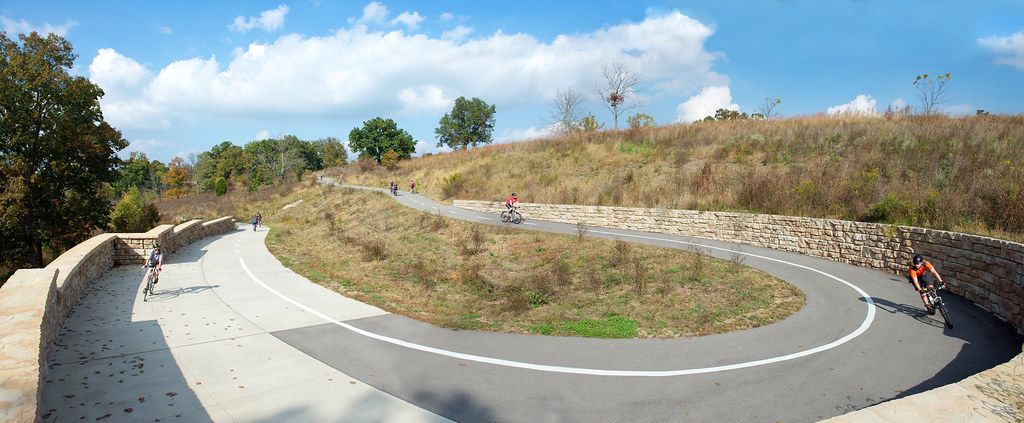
<point x="150" y="282"/>
<point x="938" y="304"/>
<point x="394" y="190"/>
<point x="512" y="215"/>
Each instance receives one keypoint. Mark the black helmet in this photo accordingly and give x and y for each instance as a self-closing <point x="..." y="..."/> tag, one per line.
<point x="918" y="259"/>
<point x="513" y="194"/>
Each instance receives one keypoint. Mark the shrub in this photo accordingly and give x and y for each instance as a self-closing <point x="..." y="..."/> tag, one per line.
<point x="220" y="186"/>
<point x="389" y="159"/>
<point x="890" y="210"/>
<point x="127" y="213"/>
<point x="560" y="272"/>
<point x="451" y="185"/>
<point x="373" y="249"/>
<point x="640" y="120"/>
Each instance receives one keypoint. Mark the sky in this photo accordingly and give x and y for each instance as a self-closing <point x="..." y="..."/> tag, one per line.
<point x="180" y="77"/>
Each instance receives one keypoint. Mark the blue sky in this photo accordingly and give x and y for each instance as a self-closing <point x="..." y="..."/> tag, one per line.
<point x="182" y="77"/>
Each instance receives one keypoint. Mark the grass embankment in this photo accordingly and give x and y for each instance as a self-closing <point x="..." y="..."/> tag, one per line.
<point x="960" y="174"/>
<point x="461" y="275"/>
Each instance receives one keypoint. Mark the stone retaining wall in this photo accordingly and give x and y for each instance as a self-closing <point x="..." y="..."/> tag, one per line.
<point x="35" y="302"/>
<point x="987" y="271"/>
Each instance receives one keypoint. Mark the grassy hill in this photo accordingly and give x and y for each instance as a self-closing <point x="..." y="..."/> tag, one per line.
<point x="948" y="173"/>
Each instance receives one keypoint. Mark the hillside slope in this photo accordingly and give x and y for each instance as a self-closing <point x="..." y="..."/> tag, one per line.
<point x="947" y="173"/>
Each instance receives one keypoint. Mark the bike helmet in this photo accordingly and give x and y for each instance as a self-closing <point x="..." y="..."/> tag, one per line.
<point x="918" y="259"/>
<point x="156" y="245"/>
<point x="513" y="194"/>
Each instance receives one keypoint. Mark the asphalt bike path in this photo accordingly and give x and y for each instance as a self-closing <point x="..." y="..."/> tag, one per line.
<point x="841" y="352"/>
<point x="233" y="335"/>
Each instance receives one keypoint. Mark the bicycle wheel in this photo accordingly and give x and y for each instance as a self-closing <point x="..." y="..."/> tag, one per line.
<point x="945" y="314"/>
<point x="148" y="290"/>
<point x="517" y="218"/>
<point x="504" y="217"/>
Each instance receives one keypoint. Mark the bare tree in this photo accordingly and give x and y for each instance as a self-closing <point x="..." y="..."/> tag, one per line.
<point x="768" y="108"/>
<point x="619" y="91"/>
<point x="931" y="92"/>
<point x="566" y="111"/>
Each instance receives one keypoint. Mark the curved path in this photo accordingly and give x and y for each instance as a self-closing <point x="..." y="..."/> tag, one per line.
<point x="230" y="311"/>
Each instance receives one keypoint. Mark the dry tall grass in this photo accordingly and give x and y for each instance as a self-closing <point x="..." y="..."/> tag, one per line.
<point x="940" y="172"/>
<point x="464" y="275"/>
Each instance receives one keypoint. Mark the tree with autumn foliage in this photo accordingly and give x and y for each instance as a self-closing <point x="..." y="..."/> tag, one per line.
<point x="177" y="178"/>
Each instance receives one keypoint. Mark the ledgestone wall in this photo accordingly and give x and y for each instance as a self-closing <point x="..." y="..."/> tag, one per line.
<point x="987" y="271"/>
<point x="35" y="302"/>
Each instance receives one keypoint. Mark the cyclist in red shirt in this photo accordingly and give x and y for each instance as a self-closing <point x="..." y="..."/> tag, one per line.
<point x="923" y="274"/>
<point x="512" y="201"/>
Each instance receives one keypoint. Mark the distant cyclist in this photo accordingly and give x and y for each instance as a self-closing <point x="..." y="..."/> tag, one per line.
<point x="255" y="221"/>
<point x="154" y="263"/>
<point x="393" y="186"/>
<point x="412" y="186"/>
<point x="512" y="201"/>
<point x="259" y="220"/>
<point x="923" y="274"/>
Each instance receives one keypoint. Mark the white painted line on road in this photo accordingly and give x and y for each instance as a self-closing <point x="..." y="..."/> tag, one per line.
<point x="601" y="372"/>
<point x="435" y="208"/>
<point x="528" y="223"/>
<point x="452" y="212"/>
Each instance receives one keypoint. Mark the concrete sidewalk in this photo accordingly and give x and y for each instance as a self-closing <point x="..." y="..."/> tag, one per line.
<point x="201" y="348"/>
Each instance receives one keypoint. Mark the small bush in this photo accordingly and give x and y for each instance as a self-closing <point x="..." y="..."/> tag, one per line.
<point x="536" y="298"/>
<point x="389" y="160"/>
<point x="581" y="230"/>
<point x="452" y="184"/>
<point x="373" y="249"/>
<point x="639" y="277"/>
<point x="620" y="254"/>
<point x="423" y="273"/>
<point x="890" y="210"/>
<point x="220" y="186"/>
<point x="560" y="272"/>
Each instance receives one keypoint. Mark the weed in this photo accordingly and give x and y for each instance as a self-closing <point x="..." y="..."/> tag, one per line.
<point x="639" y="277"/>
<point x="537" y="298"/>
<point x="581" y="230"/>
<point x="373" y="249"/>
<point x="620" y="254"/>
<point x="561" y="273"/>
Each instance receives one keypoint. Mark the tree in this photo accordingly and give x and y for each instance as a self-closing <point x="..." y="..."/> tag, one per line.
<point x="220" y="186"/>
<point x="931" y="92"/>
<point x="768" y="107"/>
<point x="640" y="120"/>
<point x="332" y="151"/>
<point x="470" y="123"/>
<point x="589" y="123"/>
<point x="133" y="213"/>
<point x="379" y="135"/>
<point x="565" y="111"/>
<point x="177" y="177"/>
<point x="726" y="114"/>
<point x="56" y="152"/>
<point x="619" y="90"/>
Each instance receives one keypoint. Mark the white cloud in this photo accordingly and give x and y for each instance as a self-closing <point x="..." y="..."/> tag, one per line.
<point x="898" y="104"/>
<point x="410" y="20"/>
<point x="447" y="16"/>
<point x="457" y="34"/>
<point x="374" y="12"/>
<point x="164" y="29"/>
<point x="961" y="109"/>
<point x="147" y="146"/>
<point x="355" y="72"/>
<point x="521" y="134"/>
<point x="425" y="98"/>
<point x="705" y="103"/>
<point x="20" y="26"/>
<point x="1010" y="49"/>
<point x="863" y="105"/>
<point x="262" y="135"/>
<point x="269" y="20"/>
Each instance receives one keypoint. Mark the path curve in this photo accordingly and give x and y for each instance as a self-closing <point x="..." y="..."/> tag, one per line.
<point x="234" y="351"/>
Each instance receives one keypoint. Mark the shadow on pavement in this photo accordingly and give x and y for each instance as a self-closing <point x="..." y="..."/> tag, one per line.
<point x="986" y="340"/>
<point x="455" y="405"/>
<point x="110" y="360"/>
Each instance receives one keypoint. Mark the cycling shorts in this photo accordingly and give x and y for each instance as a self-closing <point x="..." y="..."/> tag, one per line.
<point x="924" y="280"/>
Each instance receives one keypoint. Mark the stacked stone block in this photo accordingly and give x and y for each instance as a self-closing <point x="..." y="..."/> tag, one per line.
<point x="986" y="271"/>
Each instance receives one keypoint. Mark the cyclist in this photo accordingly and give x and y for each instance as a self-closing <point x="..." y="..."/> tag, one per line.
<point x="154" y="263"/>
<point x="259" y="219"/>
<point x="254" y="222"/>
<point x="393" y="186"/>
<point x="923" y="275"/>
<point x="512" y="201"/>
<point x="412" y="186"/>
